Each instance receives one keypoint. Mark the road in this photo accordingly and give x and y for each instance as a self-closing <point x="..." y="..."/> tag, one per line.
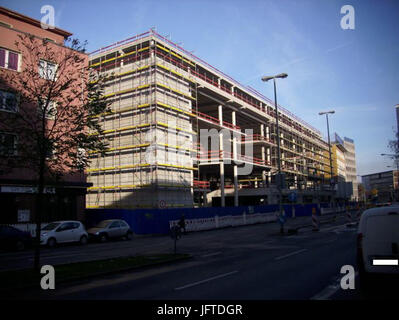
<point x="250" y="262"/>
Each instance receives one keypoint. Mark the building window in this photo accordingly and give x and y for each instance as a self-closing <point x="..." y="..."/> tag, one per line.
<point x="51" y="110"/>
<point x="9" y="59"/>
<point x="8" y="144"/>
<point x="47" y="70"/>
<point x="8" y="101"/>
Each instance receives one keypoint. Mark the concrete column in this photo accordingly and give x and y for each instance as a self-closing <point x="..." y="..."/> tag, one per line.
<point x="234" y="122"/>
<point x="268" y="155"/>
<point x="268" y="132"/>
<point x="222" y="195"/>
<point x="264" y="178"/>
<point x="235" y="169"/>
<point x="262" y="130"/>
<point x="220" y="113"/>
<point x="268" y="159"/>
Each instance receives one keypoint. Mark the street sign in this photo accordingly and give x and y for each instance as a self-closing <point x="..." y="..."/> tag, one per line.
<point x="162" y="204"/>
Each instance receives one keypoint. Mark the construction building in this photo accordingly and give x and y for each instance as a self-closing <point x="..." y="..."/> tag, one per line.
<point x="163" y="101"/>
<point x="350" y="162"/>
<point x="344" y="167"/>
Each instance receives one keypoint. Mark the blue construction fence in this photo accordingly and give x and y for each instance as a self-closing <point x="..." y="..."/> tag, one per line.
<point x="158" y="221"/>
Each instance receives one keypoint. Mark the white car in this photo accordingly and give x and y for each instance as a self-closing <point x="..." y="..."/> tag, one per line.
<point x="63" y="232"/>
<point x="378" y="242"/>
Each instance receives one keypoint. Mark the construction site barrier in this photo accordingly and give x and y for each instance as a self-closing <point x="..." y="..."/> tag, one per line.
<point x="158" y="221"/>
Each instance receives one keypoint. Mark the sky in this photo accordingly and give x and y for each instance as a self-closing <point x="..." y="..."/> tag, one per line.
<point x="354" y="72"/>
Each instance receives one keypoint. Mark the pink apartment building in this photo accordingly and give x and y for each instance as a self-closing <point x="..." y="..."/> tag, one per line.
<point x="65" y="197"/>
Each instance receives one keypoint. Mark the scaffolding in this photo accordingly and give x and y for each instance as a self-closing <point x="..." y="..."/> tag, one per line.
<point x="161" y="96"/>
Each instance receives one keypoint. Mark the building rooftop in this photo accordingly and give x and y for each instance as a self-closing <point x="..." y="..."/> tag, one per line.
<point x="203" y="63"/>
<point x="19" y="16"/>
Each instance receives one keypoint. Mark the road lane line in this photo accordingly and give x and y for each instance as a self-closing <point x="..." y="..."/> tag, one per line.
<point x="330" y="290"/>
<point x="211" y="254"/>
<point x="290" y="254"/>
<point x="326" y="293"/>
<point x="206" y="280"/>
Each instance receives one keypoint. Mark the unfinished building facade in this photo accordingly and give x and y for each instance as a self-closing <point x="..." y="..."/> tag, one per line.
<point x="163" y="100"/>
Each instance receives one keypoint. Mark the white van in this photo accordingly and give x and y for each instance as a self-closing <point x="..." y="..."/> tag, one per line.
<point x="378" y="242"/>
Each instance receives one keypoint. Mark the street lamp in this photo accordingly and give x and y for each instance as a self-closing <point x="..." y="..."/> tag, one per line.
<point x="280" y="178"/>
<point x="329" y="145"/>
<point x="393" y="156"/>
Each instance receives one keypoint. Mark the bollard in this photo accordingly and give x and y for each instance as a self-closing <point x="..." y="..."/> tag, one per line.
<point x="315" y="222"/>
<point x="175" y="235"/>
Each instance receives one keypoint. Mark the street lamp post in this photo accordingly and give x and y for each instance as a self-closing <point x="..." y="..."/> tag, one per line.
<point x="329" y="147"/>
<point x="280" y="178"/>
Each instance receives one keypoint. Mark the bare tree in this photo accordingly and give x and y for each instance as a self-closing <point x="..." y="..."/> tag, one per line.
<point x="393" y="145"/>
<point x="55" y="121"/>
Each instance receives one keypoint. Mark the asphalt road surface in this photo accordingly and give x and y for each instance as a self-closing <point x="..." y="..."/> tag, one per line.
<point x="250" y="262"/>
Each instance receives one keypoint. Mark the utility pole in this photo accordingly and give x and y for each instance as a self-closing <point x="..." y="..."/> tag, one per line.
<point x="329" y="152"/>
<point x="280" y="178"/>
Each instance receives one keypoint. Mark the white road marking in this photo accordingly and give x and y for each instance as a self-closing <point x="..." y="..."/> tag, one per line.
<point x="330" y="290"/>
<point x="211" y="254"/>
<point x="206" y="280"/>
<point x="290" y="254"/>
<point x="335" y="228"/>
<point x="326" y="292"/>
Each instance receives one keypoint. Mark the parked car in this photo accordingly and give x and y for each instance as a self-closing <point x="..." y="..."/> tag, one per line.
<point x="63" y="232"/>
<point x="14" y="239"/>
<point x="108" y="229"/>
<point x="377" y="243"/>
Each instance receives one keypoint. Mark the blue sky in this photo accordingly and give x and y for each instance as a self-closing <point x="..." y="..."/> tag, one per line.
<point x="354" y="72"/>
